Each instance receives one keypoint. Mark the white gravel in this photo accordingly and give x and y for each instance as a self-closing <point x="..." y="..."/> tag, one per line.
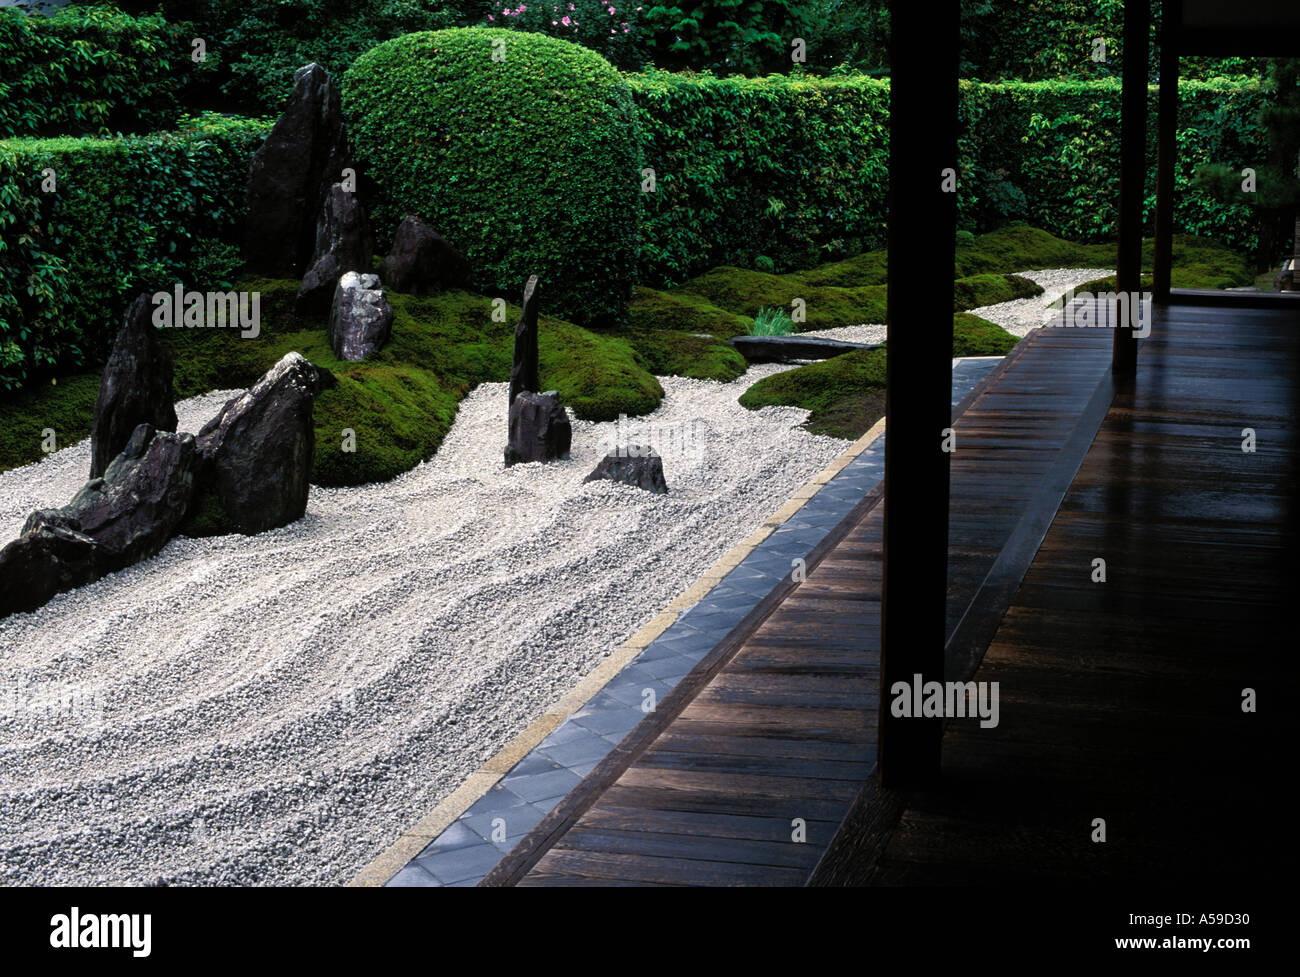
<point x="278" y="709"/>
<point x="1017" y="317"/>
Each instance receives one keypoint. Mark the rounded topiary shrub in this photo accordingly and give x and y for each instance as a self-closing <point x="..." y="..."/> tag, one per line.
<point x="518" y="148"/>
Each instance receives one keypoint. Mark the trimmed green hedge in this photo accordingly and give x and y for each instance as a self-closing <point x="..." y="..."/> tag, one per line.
<point x="84" y="71"/>
<point x="128" y="214"/>
<point x="1048" y="153"/>
<point x="795" y="170"/>
<point x="528" y="164"/>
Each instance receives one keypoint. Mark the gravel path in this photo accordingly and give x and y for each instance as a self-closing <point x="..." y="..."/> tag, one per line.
<point x="277" y="709"/>
<point x="1017" y="317"/>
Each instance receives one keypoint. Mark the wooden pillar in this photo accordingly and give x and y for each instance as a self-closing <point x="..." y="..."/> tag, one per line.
<point x="1166" y="149"/>
<point x="918" y="406"/>
<point x="1132" y="175"/>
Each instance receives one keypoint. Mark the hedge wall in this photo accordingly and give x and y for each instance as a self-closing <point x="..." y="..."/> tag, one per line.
<point x="1048" y="153"/>
<point x="527" y="164"/>
<point x="797" y="169"/>
<point x="89" y="71"/>
<point x="794" y="169"/>
<point x="125" y="214"/>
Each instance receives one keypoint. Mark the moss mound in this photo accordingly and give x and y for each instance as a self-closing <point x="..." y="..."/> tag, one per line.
<point x="845" y="393"/>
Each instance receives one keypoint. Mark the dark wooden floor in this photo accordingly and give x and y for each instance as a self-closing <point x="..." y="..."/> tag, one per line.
<point x="777" y="733"/>
<point x="1122" y="700"/>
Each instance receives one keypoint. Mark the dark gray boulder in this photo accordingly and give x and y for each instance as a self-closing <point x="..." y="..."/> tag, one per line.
<point x="126" y="516"/>
<point x="136" y="388"/>
<point x="344" y="243"/>
<point x="635" y="464"/>
<point x="422" y="261"/>
<point x="523" y="371"/>
<point x="290" y="175"/>
<point x="136" y="506"/>
<point x="539" y="429"/>
<point x="256" y="454"/>
<point x="41" y="563"/>
<point x="361" y="320"/>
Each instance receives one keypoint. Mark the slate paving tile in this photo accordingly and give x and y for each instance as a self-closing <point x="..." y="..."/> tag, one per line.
<point x="590" y="749"/>
<point x="515" y="821"/>
<point x="456" y="835"/>
<point x="412" y="876"/>
<point x="535" y="762"/>
<point x="461" y="864"/>
<point x="564" y="733"/>
<point x="607" y="721"/>
<point x="537" y="785"/>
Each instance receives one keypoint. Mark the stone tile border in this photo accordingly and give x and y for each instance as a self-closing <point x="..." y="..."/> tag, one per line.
<point x="462" y="861"/>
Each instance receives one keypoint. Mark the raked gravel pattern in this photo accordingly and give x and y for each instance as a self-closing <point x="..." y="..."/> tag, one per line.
<point x="278" y="709"/>
<point x="1017" y="317"/>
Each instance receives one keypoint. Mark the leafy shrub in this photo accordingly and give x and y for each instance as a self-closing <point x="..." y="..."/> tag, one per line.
<point x="611" y="28"/>
<point x="89" y="70"/>
<point x="127" y="214"/>
<point x="529" y="165"/>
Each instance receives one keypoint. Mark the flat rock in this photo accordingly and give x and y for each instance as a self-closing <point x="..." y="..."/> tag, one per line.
<point x="637" y="465"/>
<point x="788" y="349"/>
<point x="136" y="388"/>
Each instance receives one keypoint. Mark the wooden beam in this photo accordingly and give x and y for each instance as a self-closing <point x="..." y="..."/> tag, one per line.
<point x="918" y="406"/>
<point x="1132" y="177"/>
<point x="1166" y="150"/>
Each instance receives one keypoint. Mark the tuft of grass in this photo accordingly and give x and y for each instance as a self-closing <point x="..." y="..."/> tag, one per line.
<point x="772" y="322"/>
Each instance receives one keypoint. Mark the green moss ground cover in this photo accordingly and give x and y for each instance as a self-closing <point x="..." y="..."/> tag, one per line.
<point x="401" y="402"/>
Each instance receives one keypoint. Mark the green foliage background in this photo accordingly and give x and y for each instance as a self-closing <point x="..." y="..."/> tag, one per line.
<point x="127" y="214"/>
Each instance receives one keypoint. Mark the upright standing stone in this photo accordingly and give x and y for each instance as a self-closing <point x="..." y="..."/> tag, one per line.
<point x="291" y="174"/>
<point x="361" y="319"/>
<point x="539" y="429"/>
<point x="523" y="373"/>
<point x="136" y="389"/>
<point x="343" y="243"/>
<point x="257" y="452"/>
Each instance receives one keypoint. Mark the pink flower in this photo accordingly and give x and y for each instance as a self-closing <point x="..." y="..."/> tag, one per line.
<point x="490" y="17"/>
<point x="554" y="24"/>
<point x="564" y="21"/>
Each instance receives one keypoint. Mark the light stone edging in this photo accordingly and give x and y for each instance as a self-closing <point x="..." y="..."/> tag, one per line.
<point x="416" y="838"/>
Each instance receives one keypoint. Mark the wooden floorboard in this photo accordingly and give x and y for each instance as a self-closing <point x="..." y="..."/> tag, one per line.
<point x="1122" y="700"/>
<point x="745" y="781"/>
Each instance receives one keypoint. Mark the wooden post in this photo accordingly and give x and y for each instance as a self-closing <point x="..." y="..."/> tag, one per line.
<point x="918" y="405"/>
<point x="1166" y="150"/>
<point x="1132" y="175"/>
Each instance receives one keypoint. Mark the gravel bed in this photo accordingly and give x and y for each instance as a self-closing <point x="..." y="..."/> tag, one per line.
<point x="1017" y="317"/>
<point x="278" y="709"/>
